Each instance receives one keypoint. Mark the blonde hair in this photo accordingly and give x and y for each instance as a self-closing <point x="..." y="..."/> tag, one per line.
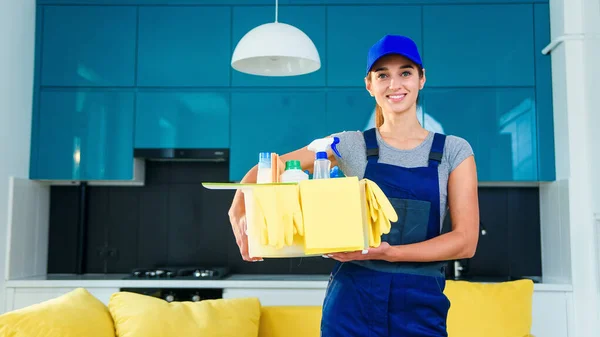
<point x="378" y="116"/>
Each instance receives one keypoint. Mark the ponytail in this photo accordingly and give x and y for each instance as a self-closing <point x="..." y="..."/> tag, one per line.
<point x="378" y="116"/>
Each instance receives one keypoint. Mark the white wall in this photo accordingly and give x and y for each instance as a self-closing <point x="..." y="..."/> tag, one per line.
<point x="569" y="233"/>
<point x="17" y="36"/>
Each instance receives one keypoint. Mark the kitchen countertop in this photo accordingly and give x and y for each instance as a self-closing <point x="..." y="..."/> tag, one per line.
<point x="262" y="281"/>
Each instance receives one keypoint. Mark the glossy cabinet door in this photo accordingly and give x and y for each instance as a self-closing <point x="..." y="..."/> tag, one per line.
<point x="543" y="94"/>
<point x="499" y="124"/>
<point x="182" y="119"/>
<point x="352" y="30"/>
<point x="273" y="122"/>
<point x="350" y="110"/>
<point x="88" y="46"/>
<point x="85" y="135"/>
<point x="184" y="46"/>
<point x="479" y="45"/>
<point x="309" y="19"/>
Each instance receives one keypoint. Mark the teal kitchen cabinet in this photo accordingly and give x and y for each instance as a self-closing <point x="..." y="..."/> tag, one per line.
<point x="182" y="119"/>
<point x="479" y="45"/>
<point x="88" y="46"/>
<point x="273" y="122"/>
<point x="499" y="124"/>
<point x="184" y="46"/>
<point x="352" y="30"/>
<point x="350" y="110"/>
<point x="84" y="135"/>
<point x="309" y="19"/>
<point x="543" y="92"/>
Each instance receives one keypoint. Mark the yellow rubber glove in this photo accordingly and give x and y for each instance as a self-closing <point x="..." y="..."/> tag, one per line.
<point x="289" y="198"/>
<point x="382" y="212"/>
<point x="267" y="201"/>
<point x="383" y="202"/>
<point x="260" y="221"/>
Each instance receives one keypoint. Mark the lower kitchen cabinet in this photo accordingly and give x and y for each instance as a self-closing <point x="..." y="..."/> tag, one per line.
<point x="83" y="135"/>
<point x="17" y="298"/>
<point x="551" y="311"/>
<point x="273" y="297"/>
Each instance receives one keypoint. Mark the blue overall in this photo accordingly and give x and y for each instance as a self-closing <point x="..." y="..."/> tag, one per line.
<point x="380" y="298"/>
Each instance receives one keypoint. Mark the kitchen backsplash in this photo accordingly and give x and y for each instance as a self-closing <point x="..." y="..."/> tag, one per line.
<point x="174" y="221"/>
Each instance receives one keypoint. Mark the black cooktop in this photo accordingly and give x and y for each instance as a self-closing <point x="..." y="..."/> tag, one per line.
<point x="179" y="273"/>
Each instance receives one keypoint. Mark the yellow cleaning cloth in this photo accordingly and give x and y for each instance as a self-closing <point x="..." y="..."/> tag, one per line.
<point x="279" y="215"/>
<point x="332" y="212"/>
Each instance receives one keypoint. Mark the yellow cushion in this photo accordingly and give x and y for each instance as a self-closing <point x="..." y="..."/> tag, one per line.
<point x="137" y="315"/>
<point x="489" y="309"/>
<point x="75" y="314"/>
<point x="290" y="321"/>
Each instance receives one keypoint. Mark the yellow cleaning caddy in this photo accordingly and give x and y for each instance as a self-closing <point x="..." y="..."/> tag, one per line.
<point x="313" y="217"/>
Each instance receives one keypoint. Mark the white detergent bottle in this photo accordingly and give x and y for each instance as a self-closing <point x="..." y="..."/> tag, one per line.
<point x="293" y="172"/>
<point x="322" y="166"/>
<point x="264" y="168"/>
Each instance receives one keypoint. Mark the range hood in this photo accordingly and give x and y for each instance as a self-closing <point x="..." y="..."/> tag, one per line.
<point x="185" y="154"/>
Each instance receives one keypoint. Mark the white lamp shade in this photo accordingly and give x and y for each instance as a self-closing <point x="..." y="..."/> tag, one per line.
<point x="276" y="49"/>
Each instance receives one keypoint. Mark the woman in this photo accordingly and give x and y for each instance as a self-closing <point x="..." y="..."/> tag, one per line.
<point x="397" y="288"/>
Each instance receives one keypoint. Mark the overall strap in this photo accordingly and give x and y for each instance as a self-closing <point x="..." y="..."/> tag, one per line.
<point x="372" y="148"/>
<point x="437" y="149"/>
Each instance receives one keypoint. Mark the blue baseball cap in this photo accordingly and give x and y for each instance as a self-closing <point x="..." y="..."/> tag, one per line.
<point x="394" y="44"/>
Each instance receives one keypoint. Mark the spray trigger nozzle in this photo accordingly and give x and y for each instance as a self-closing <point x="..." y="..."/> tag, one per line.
<point x="336" y="141"/>
<point x="321" y="145"/>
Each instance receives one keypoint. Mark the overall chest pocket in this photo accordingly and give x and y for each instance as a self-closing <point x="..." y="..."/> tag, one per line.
<point x="413" y="219"/>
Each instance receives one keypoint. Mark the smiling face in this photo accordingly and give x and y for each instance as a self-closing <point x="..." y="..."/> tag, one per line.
<point x="395" y="82"/>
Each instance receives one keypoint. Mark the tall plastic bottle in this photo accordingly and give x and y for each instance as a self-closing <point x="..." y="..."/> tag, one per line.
<point x="264" y="168"/>
<point x="322" y="165"/>
<point x="293" y="172"/>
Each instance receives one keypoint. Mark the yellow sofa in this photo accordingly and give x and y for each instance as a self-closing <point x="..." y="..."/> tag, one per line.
<point x="477" y="309"/>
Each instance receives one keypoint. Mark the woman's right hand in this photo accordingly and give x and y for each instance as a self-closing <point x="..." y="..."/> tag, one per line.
<point x="237" y="217"/>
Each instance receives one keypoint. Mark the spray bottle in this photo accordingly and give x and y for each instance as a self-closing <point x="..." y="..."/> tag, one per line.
<point x="322" y="164"/>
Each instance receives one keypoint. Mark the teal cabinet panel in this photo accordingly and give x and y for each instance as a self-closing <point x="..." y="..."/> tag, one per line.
<point x="479" y="45"/>
<point x="278" y="122"/>
<point x="352" y="30"/>
<point x="350" y="110"/>
<point x="184" y="46"/>
<point x="85" y="135"/>
<point x="353" y="110"/>
<point x="89" y="46"/>
<point x="543" y="93"/>
<point x="499" y="124"/>
<point x="309" y="19"/>
<point x="182" y="120"/>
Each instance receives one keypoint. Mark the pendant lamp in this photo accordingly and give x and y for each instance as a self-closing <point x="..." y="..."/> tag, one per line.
<point x="276" y="49"/>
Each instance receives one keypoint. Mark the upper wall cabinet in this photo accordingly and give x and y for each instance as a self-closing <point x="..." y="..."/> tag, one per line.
<point x="273" y="122"/>
<point x="182" y="120"/>
<point x="498" y="123"/>
<point x="350" y="110"/>
<point x="478" y="45"/>
<point x="309" y="19"/>
<point x="352" y="30"/>
<point x="184" y="46"/>
<point x="88" y="46"/>
<point x="84" y="135"/>
<point x="543" y="93"/>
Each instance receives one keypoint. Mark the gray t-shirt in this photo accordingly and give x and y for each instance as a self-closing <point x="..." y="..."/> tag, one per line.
<point x="353" y="162"/>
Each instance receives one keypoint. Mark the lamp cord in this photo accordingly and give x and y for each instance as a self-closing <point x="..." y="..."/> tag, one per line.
<point x="276" y="9"/>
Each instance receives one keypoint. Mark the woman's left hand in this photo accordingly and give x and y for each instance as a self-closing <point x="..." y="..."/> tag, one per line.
<point x="378" y="253"/>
